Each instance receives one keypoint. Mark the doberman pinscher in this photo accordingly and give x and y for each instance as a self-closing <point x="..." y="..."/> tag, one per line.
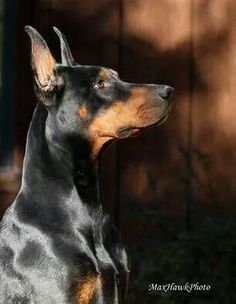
<point x="56" y="244"/>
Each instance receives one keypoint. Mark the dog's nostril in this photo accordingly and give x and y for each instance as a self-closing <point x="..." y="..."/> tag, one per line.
<point x="166" y="92"/>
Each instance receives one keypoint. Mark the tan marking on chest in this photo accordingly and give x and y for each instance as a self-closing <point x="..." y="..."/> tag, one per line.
<point x="86" y="290"/>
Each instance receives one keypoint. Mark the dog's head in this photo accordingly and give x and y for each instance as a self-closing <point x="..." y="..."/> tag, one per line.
<point x="92" y="101"/>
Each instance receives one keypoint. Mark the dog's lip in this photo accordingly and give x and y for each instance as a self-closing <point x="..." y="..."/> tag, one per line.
<point x="163" y="119"/>
<point x="129" y="131"/>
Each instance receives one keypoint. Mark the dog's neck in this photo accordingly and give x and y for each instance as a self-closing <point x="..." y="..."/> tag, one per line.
<point x="65" y="164"/>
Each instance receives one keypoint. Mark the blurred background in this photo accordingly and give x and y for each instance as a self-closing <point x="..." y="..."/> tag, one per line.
<point x="172" y="190"/>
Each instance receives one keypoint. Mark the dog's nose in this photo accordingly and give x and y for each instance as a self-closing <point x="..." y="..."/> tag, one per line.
<point x="166" y="92"/>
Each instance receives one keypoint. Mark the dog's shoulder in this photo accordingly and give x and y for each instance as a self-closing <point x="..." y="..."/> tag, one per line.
<point x="28" y="254"/>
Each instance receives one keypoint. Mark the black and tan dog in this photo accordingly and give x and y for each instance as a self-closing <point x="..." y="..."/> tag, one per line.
<point x="56" y="244"/>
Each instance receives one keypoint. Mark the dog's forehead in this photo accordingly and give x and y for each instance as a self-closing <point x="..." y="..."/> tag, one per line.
<point x="90" y="71"/>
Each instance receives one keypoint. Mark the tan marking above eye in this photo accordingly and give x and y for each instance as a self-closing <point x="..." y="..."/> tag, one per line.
<point x="104" y="74"/>
<point x="82" y="111"/>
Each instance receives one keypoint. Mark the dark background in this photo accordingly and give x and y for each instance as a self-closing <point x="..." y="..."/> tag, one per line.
<point x="172" y="190"/>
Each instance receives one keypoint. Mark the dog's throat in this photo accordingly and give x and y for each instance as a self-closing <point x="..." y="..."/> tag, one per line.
<point x="86" y="183"/>
<point x="52" y="162"/>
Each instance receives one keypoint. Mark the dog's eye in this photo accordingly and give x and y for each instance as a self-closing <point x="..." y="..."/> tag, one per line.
<point x="100" y="84"/>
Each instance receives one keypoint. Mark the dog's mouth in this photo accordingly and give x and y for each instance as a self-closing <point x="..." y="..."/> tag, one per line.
<point x="131" y="131"/>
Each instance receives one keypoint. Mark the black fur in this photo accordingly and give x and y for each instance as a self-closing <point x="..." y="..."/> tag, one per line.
<point x="55" y="234"/>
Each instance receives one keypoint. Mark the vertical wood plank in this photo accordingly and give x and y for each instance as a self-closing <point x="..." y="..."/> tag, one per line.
<point x="7" y="117"/>
<point x="214" y="99"/>
<point x="156" y="50"/>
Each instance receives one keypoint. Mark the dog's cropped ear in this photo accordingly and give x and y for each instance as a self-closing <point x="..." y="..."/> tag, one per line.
<point x="66" y="56"/>
<point x="44" y="67"/>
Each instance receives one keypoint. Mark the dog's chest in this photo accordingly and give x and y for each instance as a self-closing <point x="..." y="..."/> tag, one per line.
<point x="101" y="284"/>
